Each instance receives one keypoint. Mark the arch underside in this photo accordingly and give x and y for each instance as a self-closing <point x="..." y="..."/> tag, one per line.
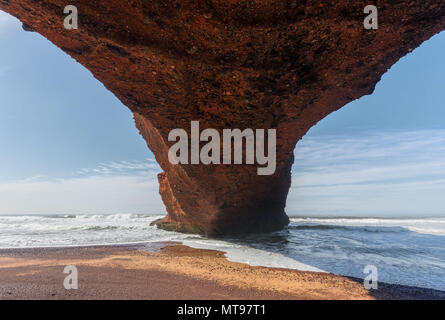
<point x="263" y="64"/>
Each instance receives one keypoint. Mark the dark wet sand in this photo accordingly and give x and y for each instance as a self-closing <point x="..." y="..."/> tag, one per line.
<point x="173" y="272"/>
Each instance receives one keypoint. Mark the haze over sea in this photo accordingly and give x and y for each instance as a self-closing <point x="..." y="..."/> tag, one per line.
<point x="407" y="251"/>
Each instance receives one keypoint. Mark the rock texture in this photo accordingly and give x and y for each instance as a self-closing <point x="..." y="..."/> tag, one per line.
<point x="232" y="64"/>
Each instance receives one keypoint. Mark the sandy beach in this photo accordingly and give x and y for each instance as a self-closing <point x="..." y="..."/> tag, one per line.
<point x="172" y="271"/>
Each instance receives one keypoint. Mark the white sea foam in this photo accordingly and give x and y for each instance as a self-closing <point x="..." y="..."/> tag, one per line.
<point x="86" y="230"/>
<point x="423" y="225"/>
<point x="406" y="251"/>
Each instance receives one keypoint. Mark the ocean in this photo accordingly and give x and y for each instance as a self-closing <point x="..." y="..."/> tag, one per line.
<point x="404" y="251"/>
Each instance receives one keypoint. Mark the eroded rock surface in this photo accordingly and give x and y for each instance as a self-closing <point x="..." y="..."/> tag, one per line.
<point x="232" y="64"/>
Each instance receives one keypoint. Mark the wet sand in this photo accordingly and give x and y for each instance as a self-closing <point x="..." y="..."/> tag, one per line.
<point x="173" y="271"/>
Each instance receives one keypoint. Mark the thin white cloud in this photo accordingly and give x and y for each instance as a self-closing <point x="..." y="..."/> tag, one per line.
<point x="380" y="174"/>
<point x="121" y="168"/>
<point x="88" y="195"/>
<point x="115" y="187"/>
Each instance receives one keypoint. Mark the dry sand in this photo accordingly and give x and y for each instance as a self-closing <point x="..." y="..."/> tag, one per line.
<point x="172" y="272"/>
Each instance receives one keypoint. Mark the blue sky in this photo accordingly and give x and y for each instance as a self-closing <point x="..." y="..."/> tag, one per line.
<point x="69" y="146"/>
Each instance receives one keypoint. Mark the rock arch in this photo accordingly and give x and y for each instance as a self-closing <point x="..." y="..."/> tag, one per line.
<point x="234" y="64"/>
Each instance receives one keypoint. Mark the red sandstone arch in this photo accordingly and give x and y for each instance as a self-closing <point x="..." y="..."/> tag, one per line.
<point x="232" y="64"/>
